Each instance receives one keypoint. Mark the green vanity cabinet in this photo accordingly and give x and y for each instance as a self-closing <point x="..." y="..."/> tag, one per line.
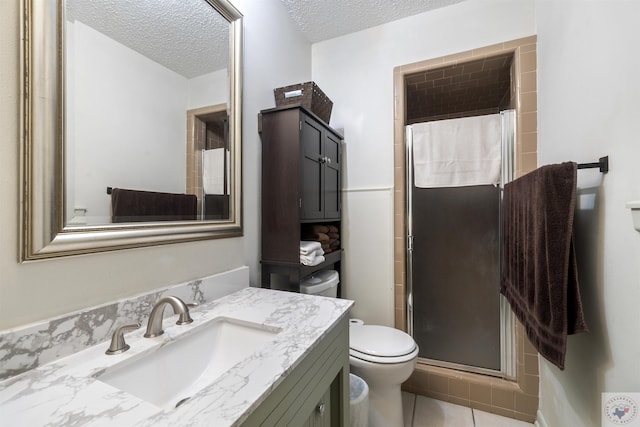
<point x="316" y="392"/>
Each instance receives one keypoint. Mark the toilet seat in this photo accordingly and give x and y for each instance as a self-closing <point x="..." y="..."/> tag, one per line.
<point x="381" y="344"/>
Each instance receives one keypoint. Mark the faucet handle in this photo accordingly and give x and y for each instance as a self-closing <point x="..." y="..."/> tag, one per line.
<point x="117" y="339"/>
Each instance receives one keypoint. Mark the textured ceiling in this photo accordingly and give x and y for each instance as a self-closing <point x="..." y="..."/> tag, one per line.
<point x="186" y="36"/>
<point x="325" y="19"/>
<point x="191" y="38"/>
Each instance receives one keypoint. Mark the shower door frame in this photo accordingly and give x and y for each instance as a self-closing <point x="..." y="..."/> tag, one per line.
<point x="507" y="320"/>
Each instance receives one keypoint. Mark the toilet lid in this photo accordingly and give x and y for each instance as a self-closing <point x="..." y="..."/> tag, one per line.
<point x="380" y="341"/>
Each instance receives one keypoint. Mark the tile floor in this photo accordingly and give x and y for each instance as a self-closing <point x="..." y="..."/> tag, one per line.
<point x="420" y="411"/>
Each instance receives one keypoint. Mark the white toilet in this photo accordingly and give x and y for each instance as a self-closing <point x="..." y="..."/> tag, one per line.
<point x="385" y="358"/>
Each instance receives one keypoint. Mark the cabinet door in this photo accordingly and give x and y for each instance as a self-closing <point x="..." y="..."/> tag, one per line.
<point x="312" y="141"/>
<point x="331" y="176"/>
<point x="321" y="415"/>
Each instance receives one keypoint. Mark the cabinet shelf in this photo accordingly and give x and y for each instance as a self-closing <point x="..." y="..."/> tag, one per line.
<point x="296" y="271"/>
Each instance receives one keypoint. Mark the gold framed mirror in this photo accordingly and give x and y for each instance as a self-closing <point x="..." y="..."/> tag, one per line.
<point x="80" y="114"/>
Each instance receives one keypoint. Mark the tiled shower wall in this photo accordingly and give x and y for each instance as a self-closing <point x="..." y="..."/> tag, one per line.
<point x="516" y="399"/>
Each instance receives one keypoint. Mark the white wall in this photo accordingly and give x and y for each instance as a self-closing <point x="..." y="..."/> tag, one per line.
<point x="126" y="124"/>
<point x="356" y="72"/>
<point x="209" y="89"/>
<point x="275" y="55"/>
<point x="587" y="108"/>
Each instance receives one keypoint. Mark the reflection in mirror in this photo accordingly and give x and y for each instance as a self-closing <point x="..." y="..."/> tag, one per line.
<point x="131" y="124"/>
<point x="135" y="72"/>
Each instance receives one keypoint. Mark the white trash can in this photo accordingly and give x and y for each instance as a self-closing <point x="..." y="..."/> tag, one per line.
<point x="358" y="401"/>
<point x="323" y="282"/>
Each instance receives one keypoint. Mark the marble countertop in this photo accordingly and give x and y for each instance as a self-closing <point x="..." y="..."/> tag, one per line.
<point x="67" y="393"/>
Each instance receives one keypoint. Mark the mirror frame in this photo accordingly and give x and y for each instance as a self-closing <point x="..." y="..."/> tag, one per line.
<point x="42" y="169"/>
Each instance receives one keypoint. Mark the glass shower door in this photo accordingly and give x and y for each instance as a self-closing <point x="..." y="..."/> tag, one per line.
<point x="455" y="275"/>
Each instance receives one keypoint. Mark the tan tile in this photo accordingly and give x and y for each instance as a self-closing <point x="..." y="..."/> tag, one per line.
<point x="438" y="384"/>
<point x="529" y="162"/>
<point x="487" y="50"/>
<point x="528" y="61"/>
<point x="398" y="176"/>
<point x="528" y="82"/>
<point x="527" y="418"/>
<point x="398" y="203"/>
<point x="502" y="411"/>
<point x="400" y="320"/>
<point x="531" y="364"/>
<point x="398" y="296"/>
<point x="399" y="151"/>
<point x="502" y="398"/>
<point x="480" y="406"/>
<point x="529" y="142"/>
<point x="528" y="102"/>
<point x="398" y="223"/>
<point x="399" y="246"/>
<point x="528" y="122"/>
<point x="457" y="57"/>
<point x="528" y="47"/>
<point x="435" y="395"/>
<point x="458" y="401"/>
<point x="514" y="44"/>
<point x="459" y="388"/>
<point x="419" y="378"/>
<point x="398" y="276"/>
<point x="520" y="354"/>
<point x="526" y="403"/>
<point x="528" y="347"/>
<point x="480" y="393"/>
<point x="530" y="384"/>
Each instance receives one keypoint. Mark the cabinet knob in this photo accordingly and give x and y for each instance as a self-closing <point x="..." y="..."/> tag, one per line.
<point x="328" y="160"/>
<point x="320" y="408"/>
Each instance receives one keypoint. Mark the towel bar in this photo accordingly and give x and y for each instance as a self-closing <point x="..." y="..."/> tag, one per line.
<point x="602" y="164"/>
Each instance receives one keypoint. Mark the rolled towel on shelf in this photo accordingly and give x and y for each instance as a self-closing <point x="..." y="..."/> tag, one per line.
<point x="319" y="237"/>
<point x="319" y="228"/>
<point x="307" y="247"/>
<point x="312" y="261"/>
<point x="333" y="229"/>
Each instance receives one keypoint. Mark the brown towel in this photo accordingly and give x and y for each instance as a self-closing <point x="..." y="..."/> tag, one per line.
<point x="539" y="272"/>
<point x="333" y="229"/>
<point x="318" y="228"/>
<point x="136" y="206"/>
<point x="318" y="237"/>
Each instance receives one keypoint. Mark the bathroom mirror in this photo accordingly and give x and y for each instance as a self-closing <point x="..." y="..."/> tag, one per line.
<point x="131" y="124"/>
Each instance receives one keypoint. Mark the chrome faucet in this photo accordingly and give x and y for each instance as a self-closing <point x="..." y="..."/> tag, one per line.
<point x="154" y="327"/>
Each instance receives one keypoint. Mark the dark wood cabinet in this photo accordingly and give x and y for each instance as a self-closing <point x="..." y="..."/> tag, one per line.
<point x="301" y="161"/>
<point x="320" y="167"/>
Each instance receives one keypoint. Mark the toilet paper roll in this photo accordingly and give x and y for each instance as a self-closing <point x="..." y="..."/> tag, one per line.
<point x="353" y="322"/>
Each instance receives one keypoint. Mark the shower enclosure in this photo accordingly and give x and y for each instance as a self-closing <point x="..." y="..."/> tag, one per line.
<point x="455" y="311"/>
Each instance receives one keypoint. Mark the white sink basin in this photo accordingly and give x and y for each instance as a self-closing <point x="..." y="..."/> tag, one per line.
<point x="173" y="373"/>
